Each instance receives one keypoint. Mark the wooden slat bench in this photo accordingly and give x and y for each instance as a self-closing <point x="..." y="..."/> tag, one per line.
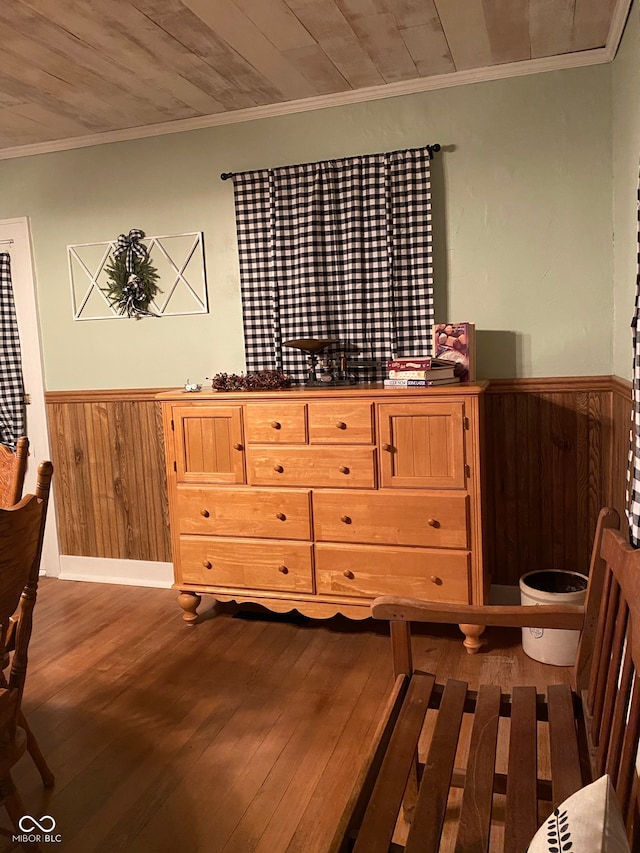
<point x="591" y="730"/>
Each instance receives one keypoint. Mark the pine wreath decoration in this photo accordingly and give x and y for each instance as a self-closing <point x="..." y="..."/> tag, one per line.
<point x="257" y="380"/>
<point x="132" y="277"/>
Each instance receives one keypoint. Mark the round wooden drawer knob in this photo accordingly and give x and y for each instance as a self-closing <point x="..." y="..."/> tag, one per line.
<point x="278" y="469"/>
<point x="436" y="580"/>
<point x="345" y="519"/>
<point x="276" y="424"/>
<point x="237" y="446"/>
<point x="343" y="469"/>
<point x="341" y="425"/>
<point x="204" y="513"/>
<point x="387" y="447"/>
<point x="207" y="564"/>
<point x="283" y="569"/>
<point x="349" y="574"/>
<point x="281" y="516"/>
<point x="433" y="522"/>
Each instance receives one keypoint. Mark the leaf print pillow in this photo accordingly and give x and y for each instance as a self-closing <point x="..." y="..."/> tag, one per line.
<point x="588" y="821"/>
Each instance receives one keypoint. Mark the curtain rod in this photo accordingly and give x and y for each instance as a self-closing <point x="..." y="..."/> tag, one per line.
<point x="4" y="242"/>
<point x="432" y="149"/>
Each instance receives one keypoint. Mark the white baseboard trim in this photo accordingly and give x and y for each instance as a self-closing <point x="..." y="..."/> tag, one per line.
<point x="123" y="572"/>
<point x="160" y="575"/>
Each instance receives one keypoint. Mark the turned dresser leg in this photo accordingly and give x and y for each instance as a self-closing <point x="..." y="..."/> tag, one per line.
<point x="472" y="641"/>
<point x="189" y="602"/>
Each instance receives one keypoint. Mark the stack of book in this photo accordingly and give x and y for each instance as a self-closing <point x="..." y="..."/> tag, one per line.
<point x="419" y="372"/>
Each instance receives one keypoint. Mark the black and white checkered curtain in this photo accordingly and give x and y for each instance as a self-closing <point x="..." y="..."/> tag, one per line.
<point x="11" y="387"/>
<point x="633" y="474"/>
<point x="339" y="250"/>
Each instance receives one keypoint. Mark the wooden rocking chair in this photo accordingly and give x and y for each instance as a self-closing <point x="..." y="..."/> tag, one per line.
<point x="13" y="466"/>
<point x="592" y="730"/>
<point x="21" y="537"/>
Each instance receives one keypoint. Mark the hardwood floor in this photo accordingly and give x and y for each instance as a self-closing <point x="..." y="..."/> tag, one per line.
<point x="240" y="735"/>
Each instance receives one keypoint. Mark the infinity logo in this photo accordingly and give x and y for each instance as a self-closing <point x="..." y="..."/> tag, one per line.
<point x="45" y="824"/>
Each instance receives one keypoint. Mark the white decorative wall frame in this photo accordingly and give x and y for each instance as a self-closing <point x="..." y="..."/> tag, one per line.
<point x="178" y="258"/>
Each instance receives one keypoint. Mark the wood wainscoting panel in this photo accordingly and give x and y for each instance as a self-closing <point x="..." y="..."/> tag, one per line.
<point x="556" y="451"/>
<point x="551" y="463"/>
<point x="110" y="481"/>
<point x="620" y="435"/>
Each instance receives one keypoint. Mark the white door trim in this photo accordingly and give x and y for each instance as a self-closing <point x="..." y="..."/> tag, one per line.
<point x="24" y="293"/>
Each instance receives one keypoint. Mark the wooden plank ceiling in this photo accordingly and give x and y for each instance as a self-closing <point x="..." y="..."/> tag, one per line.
<point x="74" y="68"/>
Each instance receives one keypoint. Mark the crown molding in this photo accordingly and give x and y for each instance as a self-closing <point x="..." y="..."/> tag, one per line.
<point x="616" y="29"/>
<point x="597" y="56"/>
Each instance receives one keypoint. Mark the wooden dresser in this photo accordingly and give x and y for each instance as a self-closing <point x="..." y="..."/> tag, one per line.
<point x="320" y="500"/>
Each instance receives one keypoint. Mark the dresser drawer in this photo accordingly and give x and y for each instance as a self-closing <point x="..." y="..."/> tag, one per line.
<point x="271" y="513"/>
<point x="344" y="467"/>
<point x="403" y="518"/>
<point x="276" y="423"/>
<point x="340" y="422"/>
<point x="369" y="571"/>
<point x="249" y="563"/>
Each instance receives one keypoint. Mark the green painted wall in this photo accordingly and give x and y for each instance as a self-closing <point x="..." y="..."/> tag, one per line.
<point x="626" y="155"/>
<point x="522" y="210"/>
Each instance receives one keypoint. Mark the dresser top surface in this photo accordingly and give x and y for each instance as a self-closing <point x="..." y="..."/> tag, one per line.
<point x="362" y="389"/>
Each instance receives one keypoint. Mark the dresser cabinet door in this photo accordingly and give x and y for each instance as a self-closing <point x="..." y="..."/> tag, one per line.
<point x="208" y="444"/>
<point x="422" y="445"/>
